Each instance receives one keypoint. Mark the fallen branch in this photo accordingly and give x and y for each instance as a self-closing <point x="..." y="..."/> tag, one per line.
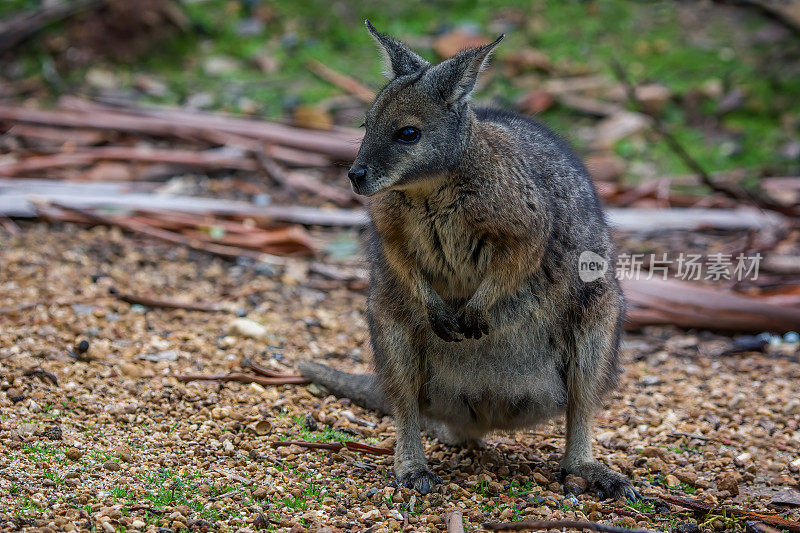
<point x="343" y="81"/>
<point x="241" y="377"/>
<point x="702" y="507"/>
<point x="726" y="442"/>
<point x="164" y="304"/>
<point x="210" y="159"/>
<point x="340" y="144"/>
<point x="19" y="27"/>
<point x="335" y="446"/>
<point x="560" y="524"/>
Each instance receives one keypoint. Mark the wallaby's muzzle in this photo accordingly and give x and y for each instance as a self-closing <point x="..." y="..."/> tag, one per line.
<point x="358" y="178"/>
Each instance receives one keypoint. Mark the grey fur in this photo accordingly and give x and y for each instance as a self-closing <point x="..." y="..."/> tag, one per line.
<point x="478" y="318"/>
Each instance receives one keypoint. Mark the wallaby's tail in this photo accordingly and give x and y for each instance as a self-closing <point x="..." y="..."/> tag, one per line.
<point x="363" y="389"/>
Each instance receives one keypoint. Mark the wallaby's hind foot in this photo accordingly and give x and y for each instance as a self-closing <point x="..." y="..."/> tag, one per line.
<point x="607" y="483"/>
<point x="422" y="480"/>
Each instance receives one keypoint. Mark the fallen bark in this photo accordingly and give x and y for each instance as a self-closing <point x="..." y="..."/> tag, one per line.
<point x="209" y="159"/>
<point x="656" y="301"/>
<point x="164" y="235"/>
<point x="19" y="204"/>
<point x="560" y="524"/>
<point x="627" y="219"/>
<point x="702" y="507"/>
<point x="691" y="219"/>
<point x="241" y="377"/>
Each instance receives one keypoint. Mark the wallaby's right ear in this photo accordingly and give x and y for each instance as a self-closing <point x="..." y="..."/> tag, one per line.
<point x="398" y="59"/>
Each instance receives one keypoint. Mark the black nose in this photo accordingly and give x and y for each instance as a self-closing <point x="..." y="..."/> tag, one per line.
<point x="358" y="176"/>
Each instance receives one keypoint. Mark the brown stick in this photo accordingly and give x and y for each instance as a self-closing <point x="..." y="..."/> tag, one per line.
<point x="335" y="446"/>
<point x="360" y="447"/>
<point x="560" y="524"/>
<point x="699" y="506"/>
<point x="343" y="81"/>
<point x="454" y="520"/>
<point x="164" y="304"/>
<point x="263" y="371"/>
<point x="332" y="446"/>
<point x="244" y="378"/>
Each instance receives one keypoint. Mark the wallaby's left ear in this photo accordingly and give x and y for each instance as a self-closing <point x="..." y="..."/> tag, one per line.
<point x="398" y="59"/>
<point x="455" y="78"/>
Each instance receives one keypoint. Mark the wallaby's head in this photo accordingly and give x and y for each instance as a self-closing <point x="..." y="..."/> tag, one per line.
<point x="418" y="125"/>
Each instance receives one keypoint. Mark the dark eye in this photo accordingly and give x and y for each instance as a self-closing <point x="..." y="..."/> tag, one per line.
<point x="407" y="135"/>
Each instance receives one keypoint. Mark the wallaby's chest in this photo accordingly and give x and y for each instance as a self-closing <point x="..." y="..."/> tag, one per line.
<point x="448" y="251"/>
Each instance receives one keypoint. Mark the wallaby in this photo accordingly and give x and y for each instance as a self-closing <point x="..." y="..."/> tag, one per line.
<point x="478" y="317"/>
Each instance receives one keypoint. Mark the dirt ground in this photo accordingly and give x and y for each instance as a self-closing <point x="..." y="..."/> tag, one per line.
<point x="104" y="438"/>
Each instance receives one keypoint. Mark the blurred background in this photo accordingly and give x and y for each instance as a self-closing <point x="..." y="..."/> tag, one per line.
<point x="724" y="76"/>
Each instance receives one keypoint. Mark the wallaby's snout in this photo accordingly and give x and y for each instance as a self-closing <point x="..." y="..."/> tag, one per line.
<point x="358" y="178"/>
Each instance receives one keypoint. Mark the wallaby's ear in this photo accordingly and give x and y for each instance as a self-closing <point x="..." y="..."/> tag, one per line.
<point x="398" y="59"/>
<point x="454" y="79"/>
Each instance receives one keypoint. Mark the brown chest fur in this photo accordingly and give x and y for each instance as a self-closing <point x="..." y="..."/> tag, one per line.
<point x="433" y="233"/>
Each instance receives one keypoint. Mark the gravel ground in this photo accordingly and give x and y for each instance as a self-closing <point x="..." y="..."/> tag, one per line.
<point x="105" y="438"/>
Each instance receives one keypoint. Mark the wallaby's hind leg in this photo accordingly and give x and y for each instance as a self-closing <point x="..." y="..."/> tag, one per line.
<point x="397" y="359"/>
<point x="410" y="465"/>
<point x="590" y="371"/>
<point x="579" y="460"/>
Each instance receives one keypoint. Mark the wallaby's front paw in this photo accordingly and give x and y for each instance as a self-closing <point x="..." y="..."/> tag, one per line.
<point x="474" y="323"/>
<point x="422" y="480"/>
<point x="445" y="324"/>
<point x="607" y="483"/>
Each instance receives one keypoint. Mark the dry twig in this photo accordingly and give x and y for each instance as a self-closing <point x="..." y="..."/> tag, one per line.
<point x="701" y="507"/>
<point x="343" y="81"/>
<point x="335" y="446"/>
<point x="244" y="378"/>
<point x="560" y="524"/>
<point x="164" y="304"/>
